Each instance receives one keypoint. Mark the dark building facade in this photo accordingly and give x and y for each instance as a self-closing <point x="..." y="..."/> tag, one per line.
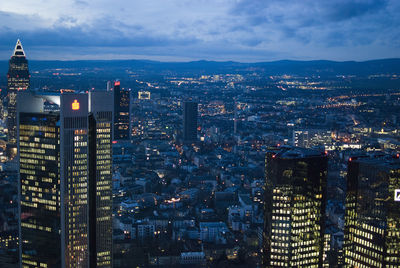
<point x="294" y="207"/>
<point x="122" y="101"/>
<point x="40" y="189"/>
<point x="190" y="111"/>
<point x="372" y="214"/>
<point x="17" y="80"/>
<point x="65" y="180"/>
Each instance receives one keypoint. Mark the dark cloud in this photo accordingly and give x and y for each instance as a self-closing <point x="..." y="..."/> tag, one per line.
<point x="330" y="23"/>
<point x="249" y="6"/>
<point x="344" y="9"/>
<point x="103" y="33"/>
<point x="80" y="3"/>
<point x="306" y="12"/>
<point x="253" y="41"/>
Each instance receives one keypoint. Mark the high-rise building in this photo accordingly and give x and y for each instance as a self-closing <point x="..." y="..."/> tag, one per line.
<point x="294" y="207"/>
<point x="109" y="85"/>
<point x="101" y="123"/>
<point x="190" y="121"/>
<point x="372" y="214"/>
<point x="40" y="223"/>
<point x="122" y="99"/>
<point x="17" y="80"/>
<point x="65" y="180"/>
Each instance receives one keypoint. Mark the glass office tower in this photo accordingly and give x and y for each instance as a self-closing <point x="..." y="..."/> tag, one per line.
<point x="100" y="147"/>
<point x="294" y="209"/>
<point x="40" y="189"/>
<point x="79" y="135"/>
<point x="122" y="99"/>
<point x="372" y="214"/>
<point x="190" y="110"/>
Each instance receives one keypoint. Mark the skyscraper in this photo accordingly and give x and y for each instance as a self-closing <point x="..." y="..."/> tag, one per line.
<point x="122" y="101"/>
<point x="372" y="214"/>
<point x="100" y="147"/>
<point x="294" y="207"/>
<point x="17" y="80"/>
<point x="39" y="189"/>
<point x="190" y="121"/>
<point x="65" y="180"/>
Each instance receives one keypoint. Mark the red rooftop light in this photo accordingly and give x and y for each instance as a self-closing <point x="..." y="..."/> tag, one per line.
<point x="117" y="83"/>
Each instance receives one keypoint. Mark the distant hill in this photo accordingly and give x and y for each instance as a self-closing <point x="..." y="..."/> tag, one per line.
<point x="318" y="67"/>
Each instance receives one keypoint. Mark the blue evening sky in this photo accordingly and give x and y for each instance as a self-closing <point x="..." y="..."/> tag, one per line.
<point x="183" y="30"/>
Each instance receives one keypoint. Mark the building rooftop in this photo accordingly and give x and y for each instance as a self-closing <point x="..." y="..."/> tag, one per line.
<point x="289" y="152"/>
<point x="386" y="161"/>
<point x="18" y="50"/>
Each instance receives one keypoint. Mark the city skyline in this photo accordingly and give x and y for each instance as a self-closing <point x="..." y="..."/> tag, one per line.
<point x="205" y="164"/>
<point x="245" y="31"/>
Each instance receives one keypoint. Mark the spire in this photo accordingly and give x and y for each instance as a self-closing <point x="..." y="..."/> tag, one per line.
<point x="18" y="50"/>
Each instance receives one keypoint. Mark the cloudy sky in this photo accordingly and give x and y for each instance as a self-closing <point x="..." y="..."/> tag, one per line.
<point x="182" y="30"/>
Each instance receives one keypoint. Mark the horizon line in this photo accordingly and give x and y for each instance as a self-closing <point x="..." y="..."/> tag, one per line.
<point x="211" y="61"/>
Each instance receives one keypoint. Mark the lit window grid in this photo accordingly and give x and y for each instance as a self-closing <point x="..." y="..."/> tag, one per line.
<point x="301" y="210"/>
<point x="103" y="193"/>
<point x="372" y="238"/>
<point x="39" y="181"/>
<point x="77" y="192"/>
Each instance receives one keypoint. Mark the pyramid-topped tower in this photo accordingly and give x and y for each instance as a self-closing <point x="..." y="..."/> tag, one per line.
<point x="18" y="50"/>
<point x="18" y="79"/>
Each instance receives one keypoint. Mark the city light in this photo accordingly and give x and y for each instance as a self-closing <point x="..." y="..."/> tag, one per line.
<point x="231" y="134"/>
